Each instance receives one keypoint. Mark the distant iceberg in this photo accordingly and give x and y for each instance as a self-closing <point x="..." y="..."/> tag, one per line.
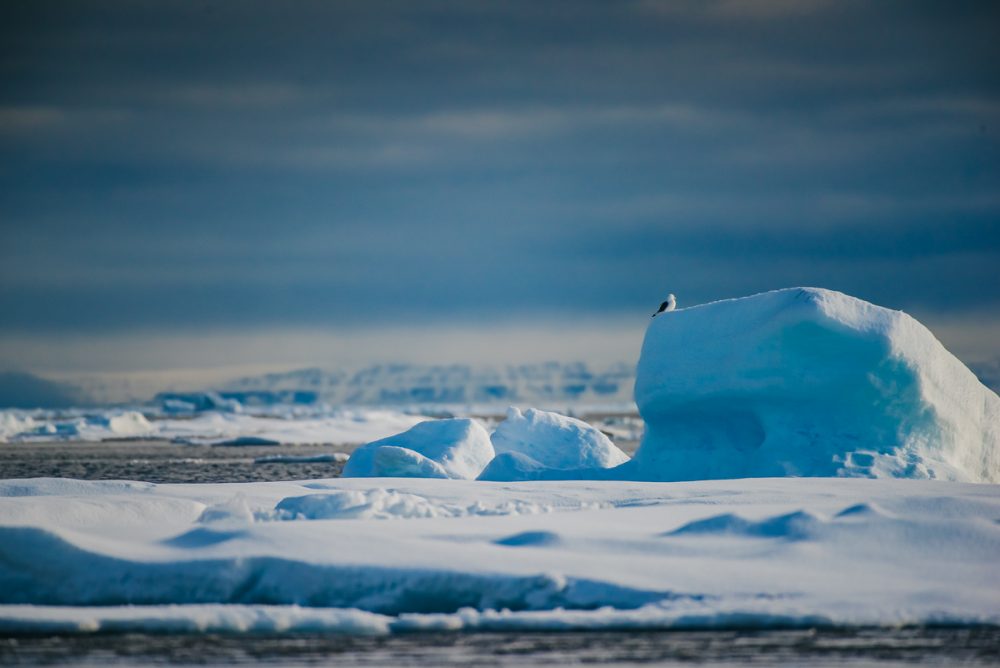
<point x="808" y="382"/>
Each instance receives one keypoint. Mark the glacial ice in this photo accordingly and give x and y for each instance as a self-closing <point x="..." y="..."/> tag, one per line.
<point x="454" y="448"/>
<point x="808" y="382"/>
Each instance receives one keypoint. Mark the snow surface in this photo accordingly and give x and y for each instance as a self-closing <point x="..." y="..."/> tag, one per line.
<point x="808" y="382"/>
<point x="456" y="448"/>
<point x="378" y="556"/>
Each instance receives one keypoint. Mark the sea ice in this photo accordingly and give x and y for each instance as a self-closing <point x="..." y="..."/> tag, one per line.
<point x="435" y="554"/>
<point x="342" y="426"/>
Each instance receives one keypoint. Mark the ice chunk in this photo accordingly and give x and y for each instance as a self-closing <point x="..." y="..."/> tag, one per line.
<point x="129" y="423"/>
<point x="554" y="441"/>
<point x="808" y="382"/>
<point x="13" y="423"/>
<point x="455" y="448"/>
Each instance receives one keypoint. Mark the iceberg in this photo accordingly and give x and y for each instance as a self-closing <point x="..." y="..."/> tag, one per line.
<point x="808" y="382"/>
<point x="452" y="448"/>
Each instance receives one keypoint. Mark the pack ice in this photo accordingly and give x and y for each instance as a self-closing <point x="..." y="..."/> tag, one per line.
<point x="808" y="382"/>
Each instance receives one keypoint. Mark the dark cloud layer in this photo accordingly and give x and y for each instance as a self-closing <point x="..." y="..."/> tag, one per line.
<point x="312" y="163"/>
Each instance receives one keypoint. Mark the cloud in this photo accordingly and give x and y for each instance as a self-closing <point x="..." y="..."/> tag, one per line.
<point x="240" y="166"/>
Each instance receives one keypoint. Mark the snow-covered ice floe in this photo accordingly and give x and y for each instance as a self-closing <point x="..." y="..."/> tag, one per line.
<point x="526" y="445"/>
<point x="537" y="444"/>
<point x="808" y="382"/>
<point x="377" y="556"/>
<point x="452" y="448"/>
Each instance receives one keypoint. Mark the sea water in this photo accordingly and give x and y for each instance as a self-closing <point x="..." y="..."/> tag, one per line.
<point x="800" y="647"/>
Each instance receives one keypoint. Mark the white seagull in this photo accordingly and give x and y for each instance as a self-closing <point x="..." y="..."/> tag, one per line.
<point x="668" y="305"/>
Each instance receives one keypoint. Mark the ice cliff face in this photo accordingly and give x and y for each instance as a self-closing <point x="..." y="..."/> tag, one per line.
<point x="808" y="382"/>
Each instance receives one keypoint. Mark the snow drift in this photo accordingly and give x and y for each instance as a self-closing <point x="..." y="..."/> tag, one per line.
<point x="808" y="382"/>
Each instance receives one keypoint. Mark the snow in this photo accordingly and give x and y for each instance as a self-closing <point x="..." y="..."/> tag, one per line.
<point x="381" y="556"/>
<point x="530" y="442"/>
<point x="453" y="448"/>
<point x="302" y="459"/>
<point x="808" y="382"/>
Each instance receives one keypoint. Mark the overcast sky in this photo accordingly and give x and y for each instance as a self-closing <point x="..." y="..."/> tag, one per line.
<point x="320" y="182"/>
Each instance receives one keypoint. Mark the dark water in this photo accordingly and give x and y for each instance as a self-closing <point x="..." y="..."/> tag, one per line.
<point x="162" y="462"/>
<point x="876" y="647"/>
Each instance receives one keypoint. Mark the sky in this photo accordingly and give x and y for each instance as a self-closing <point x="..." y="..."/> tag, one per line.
<point x="237" y="184"/>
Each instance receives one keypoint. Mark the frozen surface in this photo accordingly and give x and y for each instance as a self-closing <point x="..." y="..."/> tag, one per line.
<point x="536" y="443"/>
<point x="381" y="555"/>
<point x="456" y="448"/>
<point x="346" y="426"/>
<point x="808" y="382"/>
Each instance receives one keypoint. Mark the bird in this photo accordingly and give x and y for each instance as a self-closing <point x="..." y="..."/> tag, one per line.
<point x="668" y="305"/>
